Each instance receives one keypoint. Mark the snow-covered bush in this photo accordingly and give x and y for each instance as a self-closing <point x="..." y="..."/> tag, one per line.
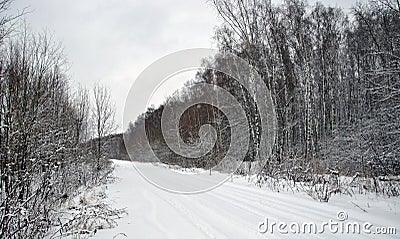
<point x="43" y="155"/>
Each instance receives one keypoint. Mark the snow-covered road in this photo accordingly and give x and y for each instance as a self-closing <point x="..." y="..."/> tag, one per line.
<point x="235" y="210"/>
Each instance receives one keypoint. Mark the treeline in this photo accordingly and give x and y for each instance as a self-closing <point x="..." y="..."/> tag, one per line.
<point x="334" y="79"/>
<point x="189" y="127"/>
<point x="44" y="128"/>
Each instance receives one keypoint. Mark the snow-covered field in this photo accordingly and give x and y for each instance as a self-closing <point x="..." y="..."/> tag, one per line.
<point x="240" y="210"/>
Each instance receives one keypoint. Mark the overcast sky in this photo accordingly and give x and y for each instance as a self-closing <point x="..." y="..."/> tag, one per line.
<point x="112" y="41"/>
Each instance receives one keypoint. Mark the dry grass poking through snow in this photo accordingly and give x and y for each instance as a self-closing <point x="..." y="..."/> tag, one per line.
<point x="85" y="214"/>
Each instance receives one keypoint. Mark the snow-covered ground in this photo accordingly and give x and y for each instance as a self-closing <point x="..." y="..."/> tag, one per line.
<point x="240" y="210"/>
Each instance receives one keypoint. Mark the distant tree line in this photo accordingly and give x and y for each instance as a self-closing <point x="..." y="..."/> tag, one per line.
<point x="334" y="78"/>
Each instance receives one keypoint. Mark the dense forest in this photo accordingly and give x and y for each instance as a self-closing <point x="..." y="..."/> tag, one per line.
<point x="334" y="79"/>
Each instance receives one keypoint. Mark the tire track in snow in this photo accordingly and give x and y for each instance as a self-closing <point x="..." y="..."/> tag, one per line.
<point x="230" y="211"/>
<point x="186" y="213"/>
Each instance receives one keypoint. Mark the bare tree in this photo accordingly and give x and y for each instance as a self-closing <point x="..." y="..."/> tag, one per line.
<point x="81" y="105"/>
<point x="7" y="22"/>
<point x="39" y="123"/>
<point x="103" y="116"/>
<point x="35" y="135"/>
